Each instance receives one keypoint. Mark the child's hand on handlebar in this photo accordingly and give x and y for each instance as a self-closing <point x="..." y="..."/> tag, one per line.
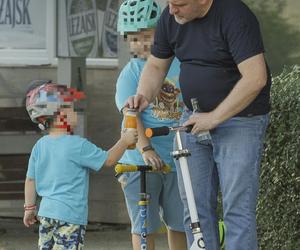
<point x="151" y="158"/>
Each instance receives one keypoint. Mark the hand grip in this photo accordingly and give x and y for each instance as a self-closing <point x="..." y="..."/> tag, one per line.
<point x="123" y="168"/>
<point x="159" y="131"/>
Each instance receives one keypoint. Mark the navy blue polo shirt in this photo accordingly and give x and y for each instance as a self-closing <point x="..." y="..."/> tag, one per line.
<point x="209" y="49"/>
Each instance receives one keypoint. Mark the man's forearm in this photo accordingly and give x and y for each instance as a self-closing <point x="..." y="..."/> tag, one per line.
<point x="238" y="99"/>
<point x="254" y="78"/>
<point x="152" y="77"/>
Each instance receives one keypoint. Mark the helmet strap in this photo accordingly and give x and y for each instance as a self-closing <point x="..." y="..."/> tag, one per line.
<point x="41" y="126"/>
<point x="43" y="123"/>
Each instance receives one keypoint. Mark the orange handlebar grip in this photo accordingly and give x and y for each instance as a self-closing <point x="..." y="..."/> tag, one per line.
<point x="149" y="132"/>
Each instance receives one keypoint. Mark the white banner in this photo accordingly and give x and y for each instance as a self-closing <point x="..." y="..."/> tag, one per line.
<point x="22" y="24"/>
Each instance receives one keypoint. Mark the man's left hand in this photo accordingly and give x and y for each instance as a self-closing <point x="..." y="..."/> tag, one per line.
<point x="201" y="122"/>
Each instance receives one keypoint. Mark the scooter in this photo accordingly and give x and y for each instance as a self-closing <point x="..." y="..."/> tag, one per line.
<point x="181" y="155"/>
<point x="144" y="197"/>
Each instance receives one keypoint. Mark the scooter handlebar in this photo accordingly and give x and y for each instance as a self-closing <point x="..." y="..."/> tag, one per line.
<point x="122" y="168"/>
<point x="159" y="131"/>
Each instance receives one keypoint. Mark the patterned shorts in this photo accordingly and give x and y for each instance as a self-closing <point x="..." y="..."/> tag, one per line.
<point x="60" y="235"/>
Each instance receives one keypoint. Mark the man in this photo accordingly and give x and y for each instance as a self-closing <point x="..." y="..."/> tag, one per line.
<point x="219" y="45"/>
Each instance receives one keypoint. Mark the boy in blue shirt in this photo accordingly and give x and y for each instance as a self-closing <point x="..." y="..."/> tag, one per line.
<point x="137" y="20"/>
<point x="59" y="167"/>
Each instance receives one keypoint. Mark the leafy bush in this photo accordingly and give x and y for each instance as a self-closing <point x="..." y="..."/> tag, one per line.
<point x="279" y="200"/>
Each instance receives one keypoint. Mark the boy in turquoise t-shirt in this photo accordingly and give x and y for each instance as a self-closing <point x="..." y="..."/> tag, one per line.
<point x="137" y="20"/>
<point x="59" y="167"/>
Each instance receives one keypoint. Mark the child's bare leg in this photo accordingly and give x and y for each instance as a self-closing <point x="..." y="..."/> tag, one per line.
<point x="137" y="244"/>
<point x="176" y="240"/>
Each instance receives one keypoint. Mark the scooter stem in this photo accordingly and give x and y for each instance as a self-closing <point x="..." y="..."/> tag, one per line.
<point x="181" y="155"/>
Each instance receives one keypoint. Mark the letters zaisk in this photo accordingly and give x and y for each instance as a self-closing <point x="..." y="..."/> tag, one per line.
<point x="14" y="12"/>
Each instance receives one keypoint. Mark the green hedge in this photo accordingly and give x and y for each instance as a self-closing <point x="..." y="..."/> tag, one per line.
<point x="279" y="200"/>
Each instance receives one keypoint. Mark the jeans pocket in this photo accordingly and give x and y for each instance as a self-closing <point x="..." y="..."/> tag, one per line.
<point x="204" y="142"/>
<point x="123" y="180"/>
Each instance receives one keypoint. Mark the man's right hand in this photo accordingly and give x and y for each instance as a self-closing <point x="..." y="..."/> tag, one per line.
<point x="138" y="101"/>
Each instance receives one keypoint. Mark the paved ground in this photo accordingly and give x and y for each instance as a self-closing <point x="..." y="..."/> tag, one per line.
<point x="14" y="236"/>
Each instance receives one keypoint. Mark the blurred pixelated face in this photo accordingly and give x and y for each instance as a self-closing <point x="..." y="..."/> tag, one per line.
<point x="66" y="116"/>
<point x="184" y="10"/>
<point x="140" y="43"/>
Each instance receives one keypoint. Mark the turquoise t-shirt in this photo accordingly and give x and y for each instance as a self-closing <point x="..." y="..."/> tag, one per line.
<point x="60" y="167"/>
<point x="164" y="111"/>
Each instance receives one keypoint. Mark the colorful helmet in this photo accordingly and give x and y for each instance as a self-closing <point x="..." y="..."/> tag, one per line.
<point x="44" y="101"/>
<point x="135" y="15"/>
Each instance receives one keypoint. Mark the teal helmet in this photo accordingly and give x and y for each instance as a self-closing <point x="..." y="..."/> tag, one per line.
<point x="135" y="15"/>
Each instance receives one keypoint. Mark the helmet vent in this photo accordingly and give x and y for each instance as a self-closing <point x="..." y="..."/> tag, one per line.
<point x="140" y="10"/>
<point x="133" y="3"/>
<point x="153" y="14"/>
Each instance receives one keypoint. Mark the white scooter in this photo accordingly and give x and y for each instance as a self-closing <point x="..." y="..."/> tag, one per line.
<point x="181" y="155"/>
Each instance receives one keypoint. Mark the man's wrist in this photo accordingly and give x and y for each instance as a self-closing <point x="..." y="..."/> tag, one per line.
<point x="215" y="119"/>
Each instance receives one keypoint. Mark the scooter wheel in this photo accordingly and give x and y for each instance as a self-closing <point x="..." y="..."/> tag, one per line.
<point x="201" y="244"/>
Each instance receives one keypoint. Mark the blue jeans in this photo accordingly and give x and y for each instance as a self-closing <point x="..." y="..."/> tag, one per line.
<point x="231" y="162"/>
